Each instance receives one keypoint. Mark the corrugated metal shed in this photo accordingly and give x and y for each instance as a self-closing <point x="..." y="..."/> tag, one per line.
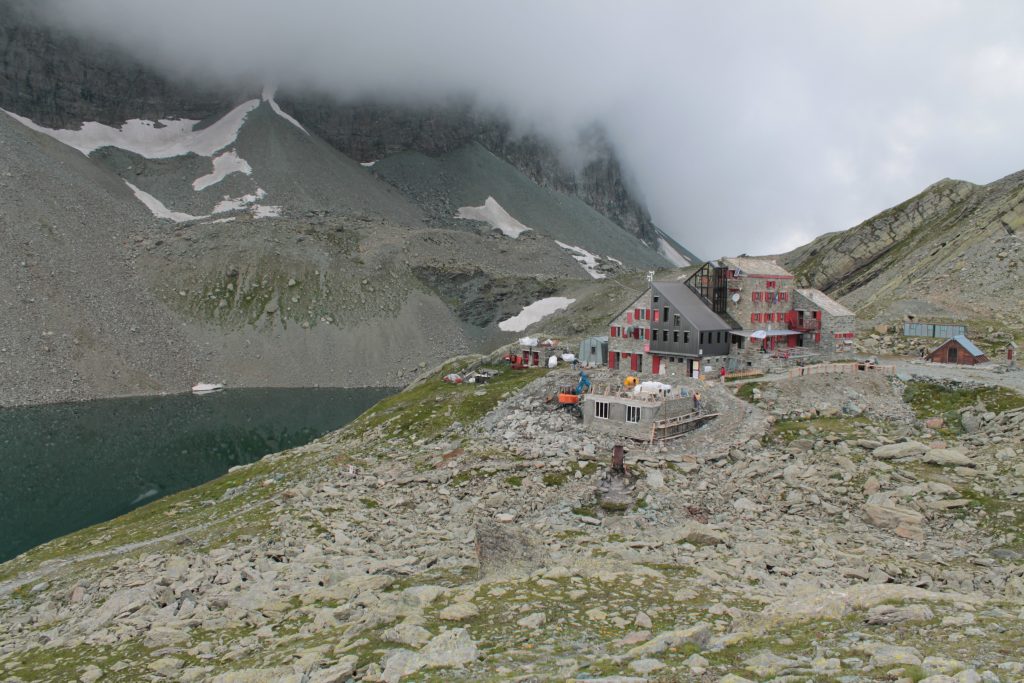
<point x="933" y="330"/>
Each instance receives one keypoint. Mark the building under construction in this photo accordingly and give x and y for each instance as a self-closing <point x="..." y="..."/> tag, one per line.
<point x="642" y="416"/>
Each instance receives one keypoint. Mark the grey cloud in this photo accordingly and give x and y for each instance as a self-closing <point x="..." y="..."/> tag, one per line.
<point x="748" y="126"/>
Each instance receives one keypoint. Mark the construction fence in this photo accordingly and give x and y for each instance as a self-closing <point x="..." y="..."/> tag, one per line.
<point x="836" y="368"/>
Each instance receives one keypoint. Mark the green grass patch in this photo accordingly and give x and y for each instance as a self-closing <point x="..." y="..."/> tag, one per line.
<point x="931" y="399"/>
<point x="514" y="480"/>
<point x="555" y="478"/>
<point x="785" y="431"/>
<point x="369" y="503"/>
<point x="428" y="408"/>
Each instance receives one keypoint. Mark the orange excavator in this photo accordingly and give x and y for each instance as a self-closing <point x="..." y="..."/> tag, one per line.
<point x="570" y="397"/>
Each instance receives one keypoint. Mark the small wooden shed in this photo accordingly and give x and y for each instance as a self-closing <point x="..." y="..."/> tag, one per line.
<point x="958" y="350"/>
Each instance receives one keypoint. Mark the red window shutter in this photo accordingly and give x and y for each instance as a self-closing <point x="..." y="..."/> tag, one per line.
<point x="753" y="296"/>
<point x="636" y="312"/>
<point x="753" y="317"/>
<point x="611" y="359"/>
<point x="647" y="314"/>
<point x="629" y="318"/>
<point x="656" y="315"/>
<point x="817" y="337"/>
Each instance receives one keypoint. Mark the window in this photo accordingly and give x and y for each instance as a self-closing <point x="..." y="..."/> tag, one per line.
<point x="770" y="284"/>
<point x="632" y="413"/>
<point x="755" y="296"/>
<point x="656" y="316"/>
<point x="675" y="320"/>
<point x="601" y="409"/>
<point x="718" y="337"/>
<point x="675" y="336"/>
<point x="664" y="313"/>
<point x="664" y="335"/>
<point x="686" y="336"/>
<point x="702" y="339"/>
<point x="655" y="298"/>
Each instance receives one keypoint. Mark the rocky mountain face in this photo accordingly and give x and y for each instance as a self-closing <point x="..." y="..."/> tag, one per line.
<point x="953" y="251"/>
<point x="59" y="80"/>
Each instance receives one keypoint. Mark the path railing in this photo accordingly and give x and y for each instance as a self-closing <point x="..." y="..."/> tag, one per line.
<point x="836" y="368"/>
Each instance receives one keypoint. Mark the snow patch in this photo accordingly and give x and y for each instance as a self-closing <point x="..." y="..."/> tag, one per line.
<point x="268" y="97"/>
<point x="220" y="220"/>
<point x="263" y="211"/>
<point x="223" y="166"/>
<point x="673" y="256"/>
<point x="492" y="214"/>
<point x="239" y="203"/>
<point x="585" y="259"/>
<point x="153" y="140"/>
<point x="535" y="312"/>
<point x="368" y="164"/>
<point x="157" y="207"/>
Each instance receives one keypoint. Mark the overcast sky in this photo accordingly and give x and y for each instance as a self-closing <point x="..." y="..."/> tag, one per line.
<point x="747" y="126"/>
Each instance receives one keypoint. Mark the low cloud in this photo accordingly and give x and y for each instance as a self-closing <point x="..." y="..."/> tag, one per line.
<point x="746" y="125"/>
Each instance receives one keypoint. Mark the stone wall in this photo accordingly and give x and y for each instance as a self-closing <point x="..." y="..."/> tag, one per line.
<point x="774" y="300"/>
<point x="630" y="345"/>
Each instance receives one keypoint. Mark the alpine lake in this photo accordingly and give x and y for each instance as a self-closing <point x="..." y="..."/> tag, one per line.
<point x="67" y="466"/>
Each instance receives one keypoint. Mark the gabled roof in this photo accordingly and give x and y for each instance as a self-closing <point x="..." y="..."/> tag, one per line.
<point x="963" y="341"/>
<point x="756" y="266"/>
<point x="825" y="302"/>
<point x="691" y="306"/>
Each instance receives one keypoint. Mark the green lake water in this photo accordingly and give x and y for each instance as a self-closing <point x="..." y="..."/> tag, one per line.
<point x="67" y="466"/>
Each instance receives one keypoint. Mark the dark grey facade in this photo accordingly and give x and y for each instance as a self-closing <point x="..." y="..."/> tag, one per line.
<point x="684" y="325"/>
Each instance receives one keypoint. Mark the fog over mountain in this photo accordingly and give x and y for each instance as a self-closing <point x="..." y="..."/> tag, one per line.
<point x="747" y="126"/>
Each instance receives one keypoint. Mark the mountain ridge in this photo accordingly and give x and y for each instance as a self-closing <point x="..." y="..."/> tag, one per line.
<point x="952" y="251"/>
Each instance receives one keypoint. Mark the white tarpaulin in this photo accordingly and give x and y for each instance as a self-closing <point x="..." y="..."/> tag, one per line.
<point x="553" y="361"/>
<point x="568" y="357"/>
<point x="652" y="388"/>
<point x="529" y="341"/>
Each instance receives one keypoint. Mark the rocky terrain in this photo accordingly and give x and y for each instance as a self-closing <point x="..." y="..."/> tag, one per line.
<point x="953" y="252"/>
<point x="828" y="527"/>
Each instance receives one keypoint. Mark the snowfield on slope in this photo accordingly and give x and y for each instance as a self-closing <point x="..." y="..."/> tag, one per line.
<point x="669" y="252"/>
<point x="494" y="215"/>
<point x="224" y="165"/>
<point x="157" y="207"/>
<point x="162" y="139"/>
<point x="535" y="312"/>
<point x="586" y="259"/>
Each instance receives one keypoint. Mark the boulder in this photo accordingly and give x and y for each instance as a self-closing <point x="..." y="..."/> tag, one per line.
<point x="905" y="449"/>
<point x="697" y="635"/>
<point x="946" y="456"/>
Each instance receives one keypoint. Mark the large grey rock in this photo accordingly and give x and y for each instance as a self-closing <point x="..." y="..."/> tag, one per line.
<point x="281" y="674"/>
<point x="947" y="456"/>
<point x="768" y="664"/>
<point x="698" y="635"/>
<point x="449" y="649"/>
<point x="503" y="549"/>
<point x="905" y="449"/>
<point x="895" y="614"/>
